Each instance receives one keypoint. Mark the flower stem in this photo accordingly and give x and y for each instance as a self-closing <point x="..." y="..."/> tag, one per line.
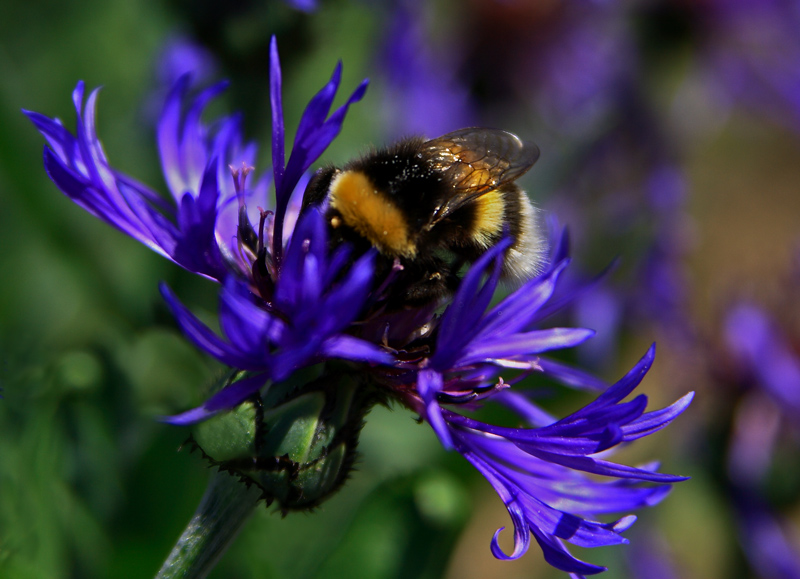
<point x="223" y="510"/>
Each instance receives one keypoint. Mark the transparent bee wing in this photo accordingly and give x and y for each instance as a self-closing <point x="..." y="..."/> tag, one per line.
<point x="475" y="161"/>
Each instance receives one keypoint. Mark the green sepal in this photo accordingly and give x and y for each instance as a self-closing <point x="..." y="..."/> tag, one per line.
<point x="227" y="436"/>
<point x="296" y="440"/>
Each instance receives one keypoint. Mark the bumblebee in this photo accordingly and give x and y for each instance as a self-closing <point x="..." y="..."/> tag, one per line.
<point x="430" y="206"/>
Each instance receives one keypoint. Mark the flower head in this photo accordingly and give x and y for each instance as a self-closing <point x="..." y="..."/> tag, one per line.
<point x="750" y="55"/>
<point x="292" y="299"/>
<point x="315" y="302"/>
<point x="421" y="96"/>
<point x="207" y="223"/>
<point x="440" y="364"/>
<point x="760" y="364"/>
<point x="539" y="473"/>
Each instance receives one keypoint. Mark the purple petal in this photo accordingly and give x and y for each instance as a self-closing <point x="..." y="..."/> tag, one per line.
<point x="557" y="555"/>
<point x="457" y="327"/>
<point x="515" y="312"/>
<point x="248" y="327"/>
<point x="515" y="510"/>
<point x="167" y="136"/>
<point x="349" y="297"/>
<point x="624" y="386"/>
<point x="226" y="399"/>
<point x="207" y="340"/>
<point x="318" y="108"/>
<point x="278" y="130"/>
<point x="429" y="385"/>
<point x="530" y="412"/>
<point x="605" y="468"/>
<point x="58" y="137"/>
<point x="654" y="421"/>
<point x="526" y="344"/>
<point x="350" y="348"/>
<point x="570" y="376"/>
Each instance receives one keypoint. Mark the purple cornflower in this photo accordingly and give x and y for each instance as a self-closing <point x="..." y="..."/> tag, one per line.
<point x="208" y="229"/>
<point x="750" y="52"/>
<point x="303" y="324"/>
<point x="289" y="301"/>
<point x="439" y="364"/>
<point x="181" y="55"/>
<point x="765" y="355"/>
<point x="767" y="364"/>
<point x="421" y="94"/>
<point x="303" y="5"/>
<point x="577" y="71"/>
<point x="538" y="472"/>
<point x="207" y="224"/>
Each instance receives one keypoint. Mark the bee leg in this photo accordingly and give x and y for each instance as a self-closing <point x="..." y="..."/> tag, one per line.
<point x="424" y="283"/>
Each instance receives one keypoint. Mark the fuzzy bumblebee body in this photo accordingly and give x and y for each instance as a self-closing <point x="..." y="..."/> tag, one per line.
<point x="434" y="205"/>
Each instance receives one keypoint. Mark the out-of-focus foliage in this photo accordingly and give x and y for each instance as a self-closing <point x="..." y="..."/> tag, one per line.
<point x="668" y="140"/>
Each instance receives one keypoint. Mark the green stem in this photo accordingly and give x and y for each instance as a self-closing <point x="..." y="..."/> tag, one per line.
<point x="223" y="510"/>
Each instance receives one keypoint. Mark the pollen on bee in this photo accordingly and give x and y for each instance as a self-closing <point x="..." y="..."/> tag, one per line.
<point x="371" y="214"/>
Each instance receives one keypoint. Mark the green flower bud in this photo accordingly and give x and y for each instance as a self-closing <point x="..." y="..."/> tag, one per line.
<point x="297" y="443"/>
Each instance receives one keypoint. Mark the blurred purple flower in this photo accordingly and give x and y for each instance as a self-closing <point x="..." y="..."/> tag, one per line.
<point x="649" y="557"/>
<point x="763" y="360"/>
<point x="565" y="62"/>
<point x="766" y="543"/>
<point x="751" y="52"/>
<point x="181" y="55"/>
<point x="422" y="93"/>
<point x="663" y="294"/>
<point x="303" y="5"/>
<point x="765" y="355"/>
<point x="579" y="72"/>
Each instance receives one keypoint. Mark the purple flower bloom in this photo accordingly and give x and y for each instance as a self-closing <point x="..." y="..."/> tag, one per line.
<point x="205" y="227"/>
<point x="422" y="95"/>
<point x="303" y="5"/>
<point x="538" y="472"/>
<point x="455" y="361"/>
<point x="763" y="359"/>
<point x="305" y="324"/>
<point x="751" y="54"/>
<point x="181" y="55"/>
<point x="294" y="300"/>
<point x="765" y="354"/>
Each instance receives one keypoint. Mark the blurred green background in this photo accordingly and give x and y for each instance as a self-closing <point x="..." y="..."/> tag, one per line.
<point x="91" y="485"/>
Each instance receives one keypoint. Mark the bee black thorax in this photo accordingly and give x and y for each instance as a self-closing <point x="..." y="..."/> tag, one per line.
<point x="392" y="200"/>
